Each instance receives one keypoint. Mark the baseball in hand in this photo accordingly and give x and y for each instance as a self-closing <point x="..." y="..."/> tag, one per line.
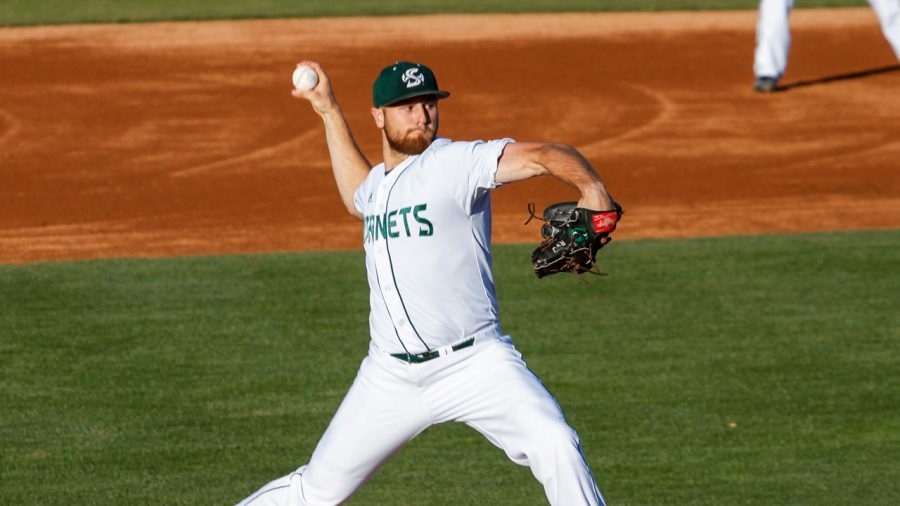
<point x="305" y="78"/>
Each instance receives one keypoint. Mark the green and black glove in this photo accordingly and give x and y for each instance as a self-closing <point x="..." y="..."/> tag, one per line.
<point x="572" y="236"/>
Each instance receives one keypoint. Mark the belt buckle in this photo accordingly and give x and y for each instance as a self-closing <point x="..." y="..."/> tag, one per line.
<point x="427" y="355"/>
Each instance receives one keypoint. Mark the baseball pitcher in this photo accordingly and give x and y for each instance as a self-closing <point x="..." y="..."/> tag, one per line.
<point x="437" y="352"/>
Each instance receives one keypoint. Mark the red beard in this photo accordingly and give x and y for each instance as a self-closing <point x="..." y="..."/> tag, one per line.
<point x="413" y="143"/>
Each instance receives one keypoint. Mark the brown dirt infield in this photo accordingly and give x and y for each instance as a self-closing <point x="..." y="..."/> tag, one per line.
<point x="182" y="138"/>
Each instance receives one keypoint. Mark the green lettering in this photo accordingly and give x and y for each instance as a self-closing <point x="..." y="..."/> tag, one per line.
<point x="423" y="221"/>
<point x="380" y="225"/>
<point x="391" y="223"/>
<point x="404" y="212"/>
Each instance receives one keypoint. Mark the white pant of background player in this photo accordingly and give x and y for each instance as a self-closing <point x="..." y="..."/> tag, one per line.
<point x="773" y="33"/>
<point x="486" y="386"/>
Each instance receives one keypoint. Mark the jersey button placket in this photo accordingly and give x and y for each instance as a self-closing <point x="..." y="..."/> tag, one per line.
<point x="385" y="274"/>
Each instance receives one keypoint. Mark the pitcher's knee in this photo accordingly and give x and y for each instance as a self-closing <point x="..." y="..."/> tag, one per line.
<point x="554" y="437"/>
<point x="564" y="437"/>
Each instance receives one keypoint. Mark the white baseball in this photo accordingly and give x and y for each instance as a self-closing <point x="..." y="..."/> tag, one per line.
<point x="305" y="78"/>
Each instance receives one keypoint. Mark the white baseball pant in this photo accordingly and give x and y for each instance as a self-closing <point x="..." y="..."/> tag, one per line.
<point x="773" y="33"/>
<point x="486" y="386"/>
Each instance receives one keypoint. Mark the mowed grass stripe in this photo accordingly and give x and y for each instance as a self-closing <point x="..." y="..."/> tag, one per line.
<point x="31" y="12"/>
<point x="747" y="370"/>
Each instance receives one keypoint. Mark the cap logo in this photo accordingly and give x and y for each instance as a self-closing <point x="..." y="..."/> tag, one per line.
<point x="413" y="78"/>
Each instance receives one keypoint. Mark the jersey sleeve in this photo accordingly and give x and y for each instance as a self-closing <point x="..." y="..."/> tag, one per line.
<point x="360" y="195"/>
<point x="470" y="169"/>
<point x="358" y="199"/>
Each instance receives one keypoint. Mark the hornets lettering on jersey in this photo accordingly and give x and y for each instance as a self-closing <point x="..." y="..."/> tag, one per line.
<point x="389" y="224"/>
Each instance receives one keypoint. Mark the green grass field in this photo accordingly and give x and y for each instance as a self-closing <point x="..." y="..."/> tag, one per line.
<point x="728" y="371"/>
<point x="33" y="12"/>
<point x="195" y="380"/>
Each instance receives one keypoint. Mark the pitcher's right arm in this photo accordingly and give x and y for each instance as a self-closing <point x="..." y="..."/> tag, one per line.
<point x="348" y="163"/>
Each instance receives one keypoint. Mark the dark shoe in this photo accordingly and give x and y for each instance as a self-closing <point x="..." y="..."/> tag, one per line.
<point x="765" y="84"/>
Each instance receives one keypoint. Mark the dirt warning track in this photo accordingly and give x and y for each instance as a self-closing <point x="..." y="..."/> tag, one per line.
<point x="182" y="138"/>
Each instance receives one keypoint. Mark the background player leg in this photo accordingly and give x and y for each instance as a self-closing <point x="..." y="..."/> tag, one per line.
<point x="379" y="414"/>
<point x="773" y="42"/>
<point x="888" y="12"/>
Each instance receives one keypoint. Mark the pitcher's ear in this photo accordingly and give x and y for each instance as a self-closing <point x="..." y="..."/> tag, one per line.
<point x="378" y="115"/>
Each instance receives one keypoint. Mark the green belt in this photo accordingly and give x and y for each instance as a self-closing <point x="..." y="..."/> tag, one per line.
<point x="418" y="358"/>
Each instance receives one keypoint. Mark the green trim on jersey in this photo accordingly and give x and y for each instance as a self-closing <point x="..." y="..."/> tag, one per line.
<point x="387" y="243"/>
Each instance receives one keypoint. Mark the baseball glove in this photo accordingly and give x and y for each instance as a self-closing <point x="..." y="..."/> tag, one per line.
<point x="572" y="236"/>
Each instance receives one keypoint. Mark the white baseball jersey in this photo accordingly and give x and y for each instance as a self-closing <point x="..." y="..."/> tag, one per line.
<point x="427" y="236"/>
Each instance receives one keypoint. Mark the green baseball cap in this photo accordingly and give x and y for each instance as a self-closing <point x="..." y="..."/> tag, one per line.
<point x="404" y="80"/>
